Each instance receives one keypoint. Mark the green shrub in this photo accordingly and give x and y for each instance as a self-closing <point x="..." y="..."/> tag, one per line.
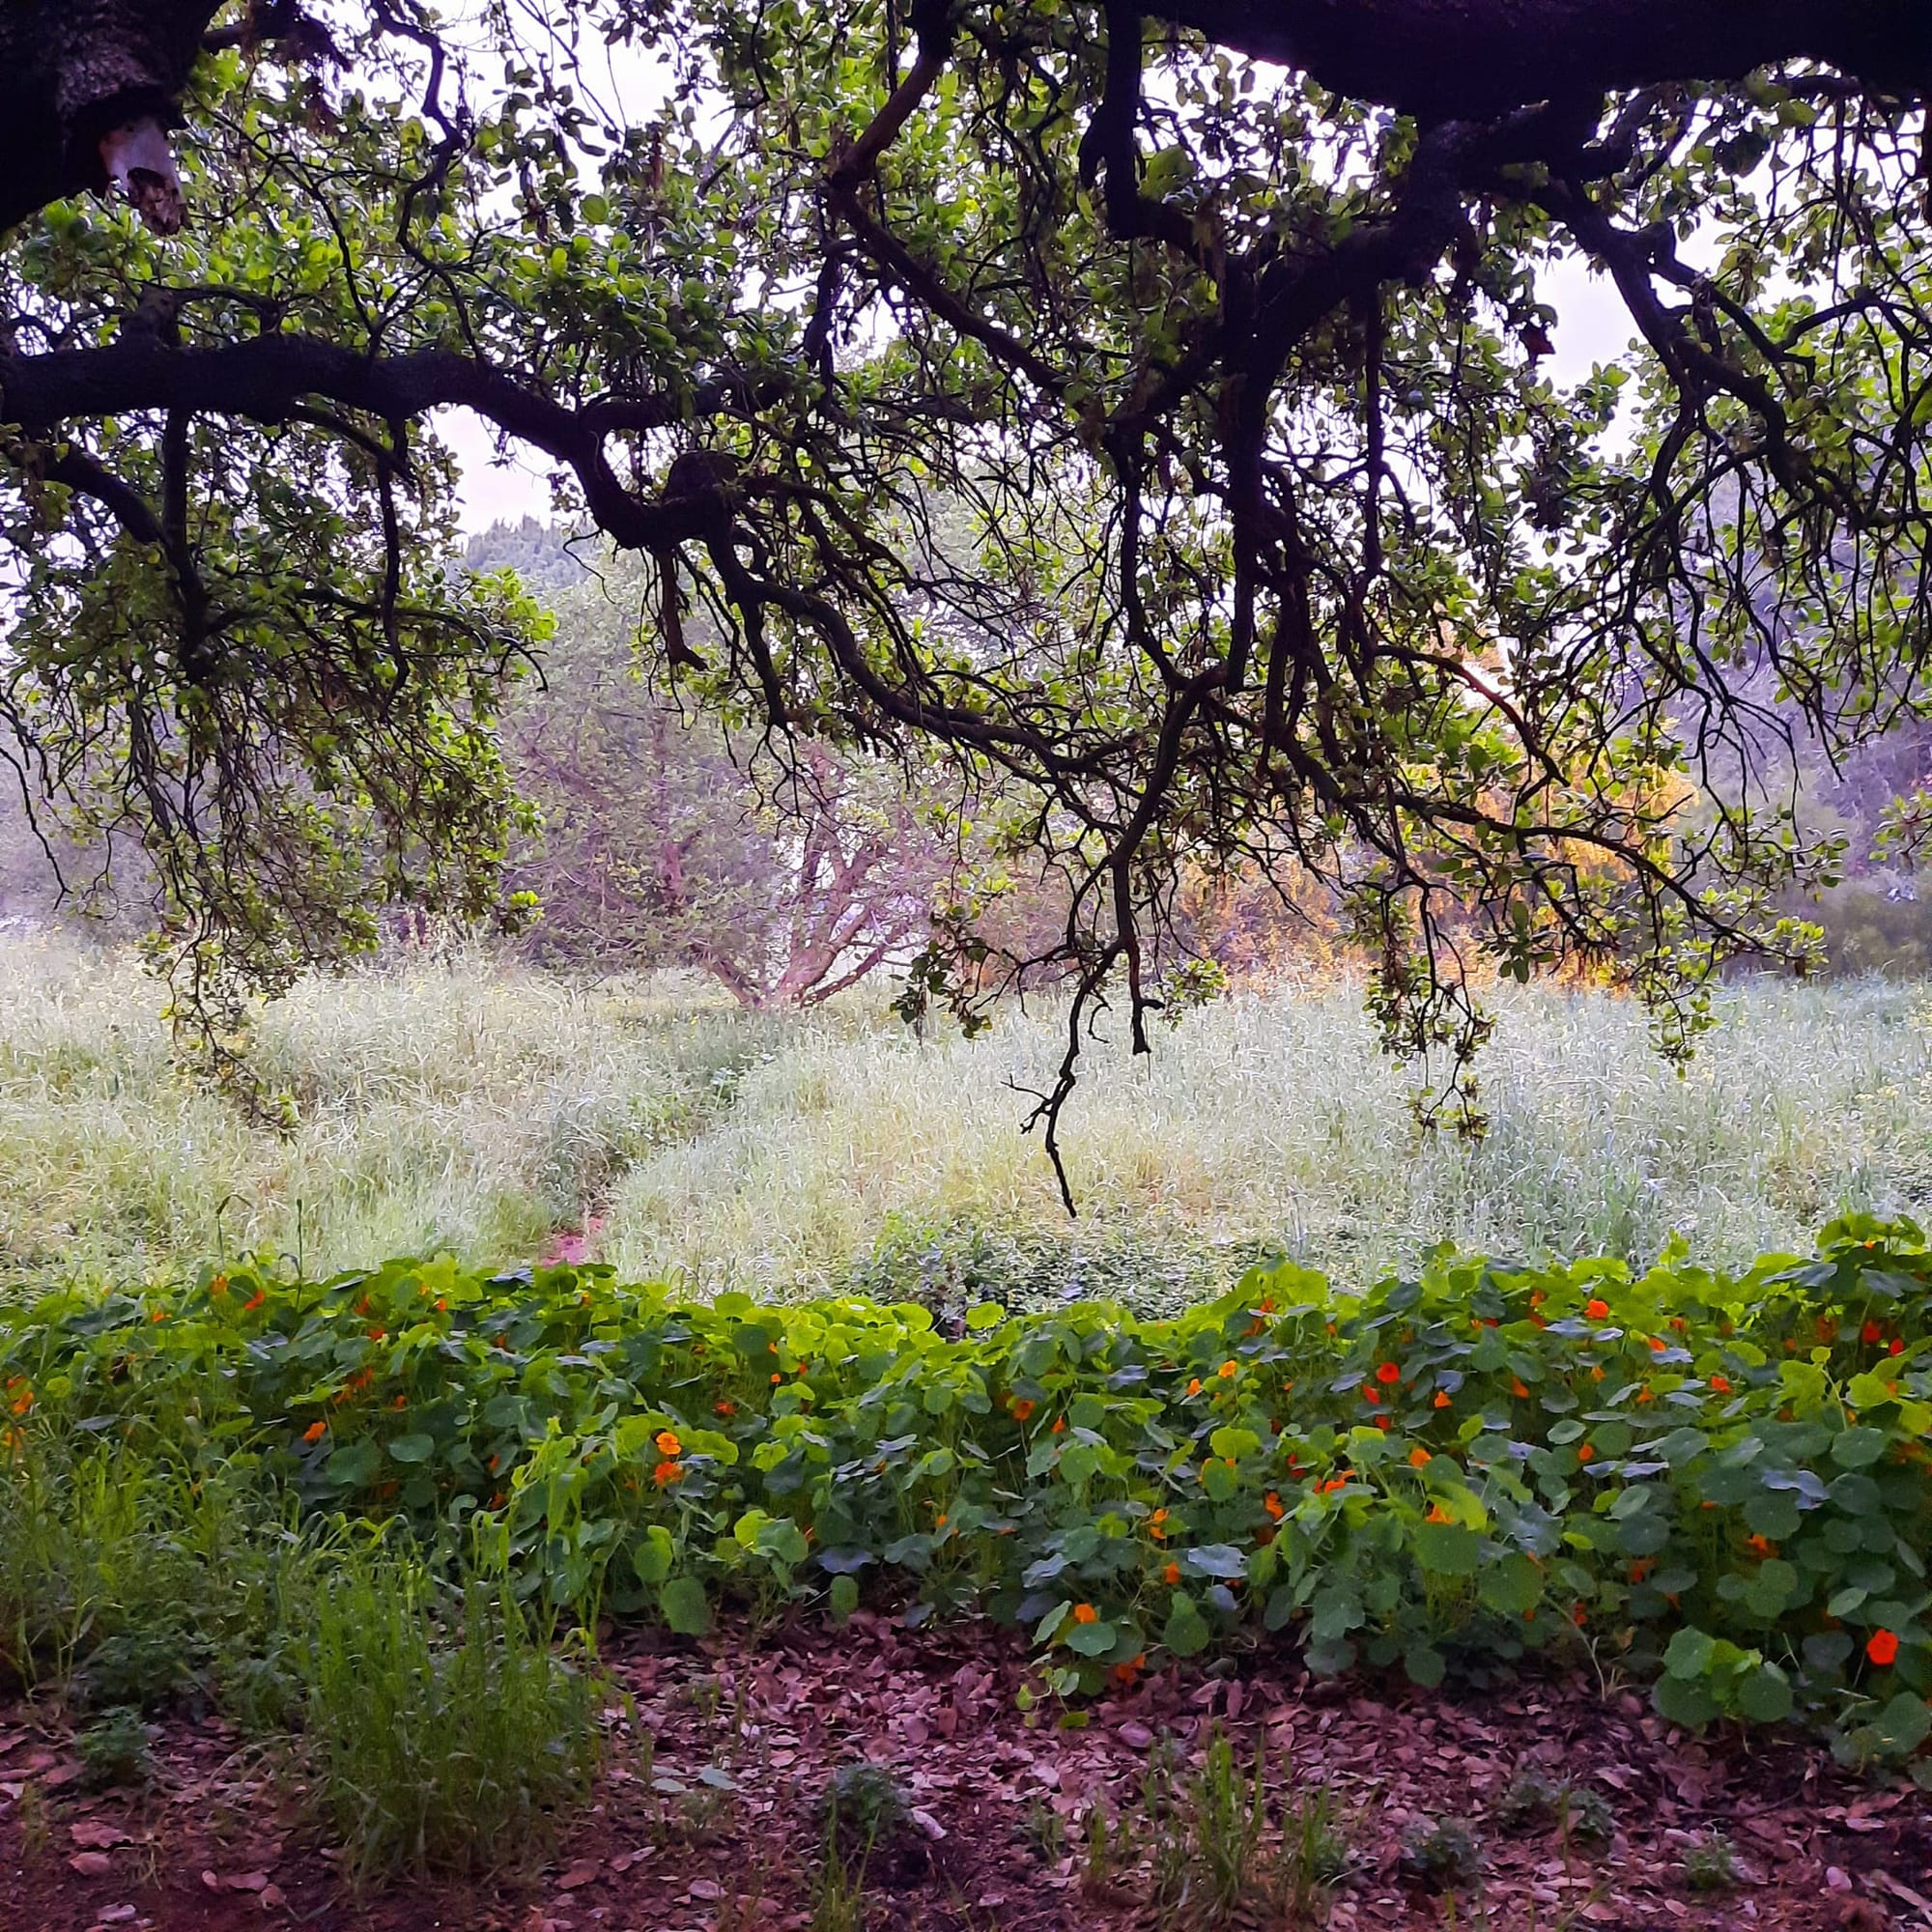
<point x="1722" y="1482"/>
<point x="443" y="1736"/>
<point x="114" y="1751"/>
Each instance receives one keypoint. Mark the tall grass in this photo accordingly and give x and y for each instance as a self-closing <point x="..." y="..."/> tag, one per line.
<point x="480" y="1109"/>
<point x="1272" y="1121"/>
<point x="440" y="1106"/>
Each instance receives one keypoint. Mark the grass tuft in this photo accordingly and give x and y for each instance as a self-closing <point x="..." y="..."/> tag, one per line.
<point x="445" y="1737"/>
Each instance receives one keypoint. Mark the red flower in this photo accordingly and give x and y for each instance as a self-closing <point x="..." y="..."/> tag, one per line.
<point x="1897" y="1346"/>
<point x="1020" y="1409"/>
<point x="1388" y="1373"/>
<point x="1722" y="1384"/>
<point x="1597" y="1310"/>
<point x="1882" y="1647"/>
<point x="1871" y="1332"/>
<point x="315" y="1431"/>
<point x="667" y="1472"/>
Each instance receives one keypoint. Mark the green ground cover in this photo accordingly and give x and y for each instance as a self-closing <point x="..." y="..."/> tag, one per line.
<point x="1717" y="1483"/>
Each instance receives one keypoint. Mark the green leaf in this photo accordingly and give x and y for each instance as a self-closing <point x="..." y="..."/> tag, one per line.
<point x="1765" y="1695"/>
<point x="1511" y="1586"/>
<point x="1186" y="1633"/>
<point x="685" y="1606"/>
<point x="1684" y="1701"/>
<point x="653" y="1554"/>
<point x="1904" y="1724"/>
<point x="1859" y="1448"/>
<point x="412" y="1448"/>
<point x="1094" y="1639"/>
<point x="844" y="1595"/>
<point x="1447" y="1549"/>
<point x="1217" y="1559"/>
<point x="353" y="1466"/>
<point x="1690" y="1652"/>
<point x="1425" y="1665"/>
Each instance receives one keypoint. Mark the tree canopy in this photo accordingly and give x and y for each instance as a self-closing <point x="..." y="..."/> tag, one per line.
<point x="1151" y="407"/>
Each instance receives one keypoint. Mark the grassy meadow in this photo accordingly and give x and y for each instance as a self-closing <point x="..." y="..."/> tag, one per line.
<point x="481" y="1109"/>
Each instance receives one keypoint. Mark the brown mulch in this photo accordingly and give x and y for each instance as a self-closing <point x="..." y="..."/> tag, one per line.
<point x="216" y="1842"/>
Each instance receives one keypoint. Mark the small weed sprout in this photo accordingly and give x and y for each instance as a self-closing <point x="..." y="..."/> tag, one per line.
<point x="1711" y="1865"/>
<point x="1442" y="1852"/>
<point x="1580" y="1813"/>
<point x="864" y="1806"/>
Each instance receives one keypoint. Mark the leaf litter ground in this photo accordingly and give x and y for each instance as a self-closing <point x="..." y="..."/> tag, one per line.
<point x="716" y="1824"/>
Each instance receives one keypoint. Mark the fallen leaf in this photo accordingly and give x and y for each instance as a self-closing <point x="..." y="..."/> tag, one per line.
<point x="584" y="1872"/>
<point x="249" y="1881"/>
<point x="91" y="1864"/>
<point x="97" y="1833"/>
<point x="704" y="1888"/>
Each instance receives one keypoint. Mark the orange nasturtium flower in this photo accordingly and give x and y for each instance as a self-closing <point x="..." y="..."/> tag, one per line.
<point x="667" y="1472"/>
<point x="1020" y="1409"/>
<point x="1882" y="1647"/>
<point x="1441" y="1398"/>
<point x="1597" y="1309"/>
<point x="725" y="1408"/>
<point x="1515" y="1386"/>
<point x="1584" y="1453"/>
<point x="1419" y="1457"/>
<point x="1228" y="1369"/>
<point x="1158" y="1523"/>
<point x="668" y="1443"/>
<point x="1762" y="1545"/>
<point x="1388" y="1374"/>
<point x="1172" y="1574"/>
<point x="1194" y="1387"/>
<point x="1085" y="1613"/>
<point x="1658" y="1343"/>
<point x="1722" y="1384"/>
<point x="1272" y="1503"/>
<point x="315" y="1431"/>
<point x="1438" y="1514"/>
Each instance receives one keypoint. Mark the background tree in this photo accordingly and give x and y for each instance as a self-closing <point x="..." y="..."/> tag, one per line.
<point x="1284" y="546"/>
<point x="657" y="843"/>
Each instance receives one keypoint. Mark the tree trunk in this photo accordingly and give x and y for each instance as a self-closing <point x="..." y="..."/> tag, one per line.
<point x="72" y="71"/>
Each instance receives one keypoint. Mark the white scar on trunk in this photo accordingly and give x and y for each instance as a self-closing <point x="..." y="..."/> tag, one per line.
<point x="142" y="166"/>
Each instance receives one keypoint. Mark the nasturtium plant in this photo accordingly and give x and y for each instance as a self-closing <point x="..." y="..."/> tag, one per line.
<point x="1722" y="1483"/>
